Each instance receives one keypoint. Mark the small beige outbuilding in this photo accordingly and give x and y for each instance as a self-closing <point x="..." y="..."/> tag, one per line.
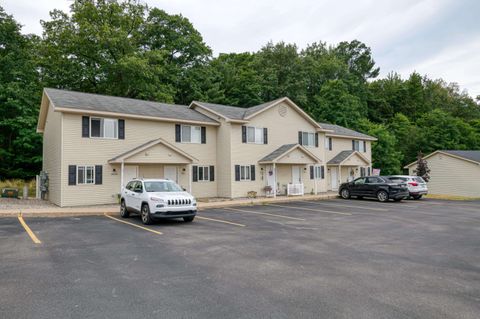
<point x="452" y="173"/>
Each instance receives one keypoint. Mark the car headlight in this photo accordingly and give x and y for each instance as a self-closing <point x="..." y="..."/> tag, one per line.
<point x="156" y="199"/>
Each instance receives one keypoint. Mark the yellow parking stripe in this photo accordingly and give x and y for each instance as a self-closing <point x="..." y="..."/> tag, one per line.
<point x="350" y="206"/>
<point x="220" y="221"/>
<point x="310" y="209"/>
<point x="135" y="225"/>
<point x="261" y="213"/>
<point x="28" y="230"/>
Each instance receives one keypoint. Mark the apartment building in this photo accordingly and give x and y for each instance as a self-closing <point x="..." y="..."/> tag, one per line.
<point x="94" y="144"/>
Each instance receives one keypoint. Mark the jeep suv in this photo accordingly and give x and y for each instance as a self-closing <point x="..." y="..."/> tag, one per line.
<point x="157" y="199"/>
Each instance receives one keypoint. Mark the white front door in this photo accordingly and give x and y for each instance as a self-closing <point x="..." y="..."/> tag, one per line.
<point x="170" y="172"/>
<point x="129" y="172"/>
<point x="333" y="176"/>
<point x="296" y="174"/>
<point x="270" y="176"/>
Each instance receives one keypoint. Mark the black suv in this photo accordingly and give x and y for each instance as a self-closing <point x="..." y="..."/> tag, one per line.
<point x="374" y="186"/>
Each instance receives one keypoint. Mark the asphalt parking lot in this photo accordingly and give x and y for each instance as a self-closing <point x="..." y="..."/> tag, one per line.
<point x="305" y="259"/>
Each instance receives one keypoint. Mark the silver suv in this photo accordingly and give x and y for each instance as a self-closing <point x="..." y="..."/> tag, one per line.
<point x="416" y="185"/>
<point x="157" y="199"/>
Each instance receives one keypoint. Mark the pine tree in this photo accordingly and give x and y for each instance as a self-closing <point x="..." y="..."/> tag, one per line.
<point x="422" y="167"/>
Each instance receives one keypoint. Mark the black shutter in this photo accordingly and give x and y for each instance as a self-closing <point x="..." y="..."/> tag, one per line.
<point x="368" y="169"/>
<point x="364" y="146"/>
<point x="85" y="126"/>
<point x="72" y="174"/>
<point x="353" y="145"/>
<point x="121" y="129"/>
<point x="177" y="133"/>
<point x="195" y="173"/>
<point x="98" y="174"/>
<point x="265" y="135"/>
<point x="212" y="173"/>
<point x="252" y="172"/>
<point x="316" y="139"/>
<point x="330" y="143"/>
<point x="244" y="134"/>
<point x="204" y="134"/>
<point x="322" y="171"/>
<point x="312" y="172"/>
<point x="300" y="138"/>
<point x="237" y="172"/>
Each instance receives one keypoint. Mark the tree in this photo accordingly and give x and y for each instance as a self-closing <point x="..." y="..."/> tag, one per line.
<point x="422" y="169"/>
<point x="20" y="145"/>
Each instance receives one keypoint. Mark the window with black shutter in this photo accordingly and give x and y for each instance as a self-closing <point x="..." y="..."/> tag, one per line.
<point x="323" y="171"/>
<point x="316" y="139"/>
<point x="204" y="135"/>
<point x="364" y="146"/>
<point x="265" y="135"/>
<point x="72" y="175"/>
<point x="85" y="126"/>
<point x="244" y="134"/>
<point x="312" y="172"/>
<point x="252" y="172"/>
<point x="330" y="142"/>
<point x="121" y="129"/>
<point x="177" y="133"/>
<point x="98" y="174"/>
<point x="212" y="173"/>
<point x="237" y="173"/>
<point x="300" y="138"/>
<point x="195" y="173"/>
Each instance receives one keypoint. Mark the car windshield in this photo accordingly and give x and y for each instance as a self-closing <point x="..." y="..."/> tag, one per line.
<point x="162" y="186"/>
<point x="419" y="179"/>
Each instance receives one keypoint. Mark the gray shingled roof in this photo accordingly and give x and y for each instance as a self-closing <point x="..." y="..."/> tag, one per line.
<point x="104" y="103"/>
<point x="279" y="151"/>
<point x="133" y="149"/>
<point x="340" y="130"/>
<point x="471" y="155"/>
<point x="235" y="112"/>
<point x="340" y="157"/>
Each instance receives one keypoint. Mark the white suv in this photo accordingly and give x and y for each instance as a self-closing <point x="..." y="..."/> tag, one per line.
<point x="157" y="199"/>
<point x="416" y="185"/>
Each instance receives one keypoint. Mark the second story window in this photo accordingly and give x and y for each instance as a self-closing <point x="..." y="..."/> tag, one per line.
<point x="360" y="146"/>
<point x="103" y="127"/>
<point x="328" y="143"/>
<point x="308" y="139"/>
<point x="190" y="134"/>
<point x="254" y="135"/>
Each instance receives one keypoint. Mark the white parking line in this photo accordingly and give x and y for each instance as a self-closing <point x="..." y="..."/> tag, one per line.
<point x="310" y="209"/>
<point x="261" y="213"/>
<point x="343" y="205"/>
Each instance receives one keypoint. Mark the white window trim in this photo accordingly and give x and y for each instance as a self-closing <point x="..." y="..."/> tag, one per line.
<point x="308" y="134"/>
<point x="255" y="134"/>
<point x="327" y="143"/>
<point x="102" y="120"/>
<point x="318" y="169"/>
<point x="248" y="169"/>
<point x="203" y="168"/>
<point x="191" y="131"/>
<point x="85" y="167"/>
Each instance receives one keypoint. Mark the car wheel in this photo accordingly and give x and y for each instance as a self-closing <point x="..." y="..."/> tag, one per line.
<point x="382" y="196"/>
<point x="145" y="213"/>
<point x="417" y="196"/>
<point x="345" y="193"/>
<point x="188" y="219"/>
<point x="123" y="210"/>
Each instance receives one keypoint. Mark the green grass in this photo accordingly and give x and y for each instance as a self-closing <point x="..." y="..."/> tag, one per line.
<point x="18" y="184"/>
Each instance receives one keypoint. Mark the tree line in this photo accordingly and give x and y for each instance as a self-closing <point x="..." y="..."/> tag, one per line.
<point x="132" y="50"/>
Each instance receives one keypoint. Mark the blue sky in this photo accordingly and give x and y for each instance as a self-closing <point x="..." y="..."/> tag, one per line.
<point x="440" y="38"/>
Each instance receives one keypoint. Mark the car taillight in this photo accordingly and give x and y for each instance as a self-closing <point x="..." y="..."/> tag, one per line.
<point x="413" y="183"/>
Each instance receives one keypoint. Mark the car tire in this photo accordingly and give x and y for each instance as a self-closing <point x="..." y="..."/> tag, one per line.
<point x="124" y="213"/>
<point x="382" y="196"/>
<point x="188" y="219"/>
<point x="359" y="197"/>
<point x="345" y="193"/>
<point x="398" y="199"/>
<point x="417" y="196"/>
<point x="145" y="215"/>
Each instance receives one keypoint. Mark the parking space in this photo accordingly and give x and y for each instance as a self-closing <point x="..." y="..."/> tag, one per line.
<point x="303" y="259"/>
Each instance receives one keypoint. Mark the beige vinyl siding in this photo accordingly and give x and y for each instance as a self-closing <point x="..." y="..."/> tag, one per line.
<point x="281" y="130"/>
<point x="452" y="176"/>
<point x="52" y="154"/>
<point x="96" y="151"/>
<point x="341" y="144"/>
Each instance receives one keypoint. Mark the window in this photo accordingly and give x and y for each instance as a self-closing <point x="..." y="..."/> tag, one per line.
<point x="355" y="145"/>
<point x="104" y="128"/>
<point x="308" y="139"/>
<point x="254" y="135"/>
<point x="138" y="188"/>
<point x="129" y="186"/>
<point x="203" y="173"/>
<point x="191" y="134"/>
<point x="245" y="172"/>
<point x="85" y="175"/>
<point x="328" y="143"/>
<point x="374" y="180"/>
<point x="319" y="172"/>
